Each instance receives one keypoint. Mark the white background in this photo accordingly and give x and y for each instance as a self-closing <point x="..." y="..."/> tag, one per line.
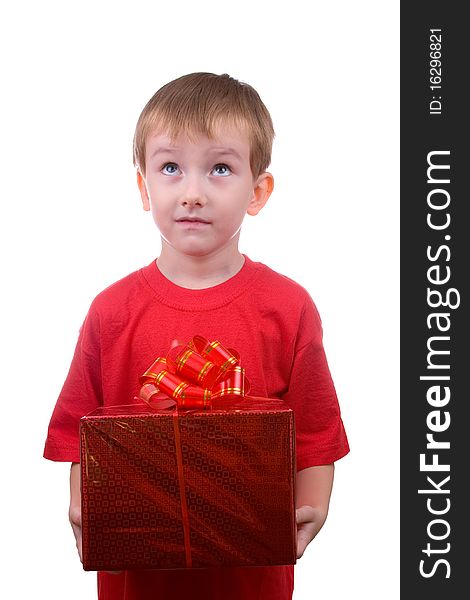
<point x="75" y="78"/>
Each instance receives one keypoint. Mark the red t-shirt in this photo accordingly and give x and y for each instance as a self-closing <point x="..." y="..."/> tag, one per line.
<point x="272" y="322"/>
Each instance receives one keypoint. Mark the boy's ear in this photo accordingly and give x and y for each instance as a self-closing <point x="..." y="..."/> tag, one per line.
<point x="262" y="189"/>
<point x="143" y="190"/>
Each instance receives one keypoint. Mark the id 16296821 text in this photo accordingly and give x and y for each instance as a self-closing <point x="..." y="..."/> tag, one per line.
<point x="435" y="71"/>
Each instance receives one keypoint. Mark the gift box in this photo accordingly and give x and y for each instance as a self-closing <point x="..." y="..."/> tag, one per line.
<point x="202" y="475"/>
<point x="168" y="489"/>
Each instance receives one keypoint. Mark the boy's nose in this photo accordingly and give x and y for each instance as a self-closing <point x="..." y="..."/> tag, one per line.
<point x="192" y="201"/>
<point x="193" y="194"/>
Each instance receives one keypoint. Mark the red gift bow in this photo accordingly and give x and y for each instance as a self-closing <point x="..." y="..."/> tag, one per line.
<point x="193" y="375"/>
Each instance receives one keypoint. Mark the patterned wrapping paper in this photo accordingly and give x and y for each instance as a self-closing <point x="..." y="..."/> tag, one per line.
<point x="189" y="489"/>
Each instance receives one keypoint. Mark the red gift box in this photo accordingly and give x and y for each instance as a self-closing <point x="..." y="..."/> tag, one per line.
<point x="166" y="490"/>
<point x="210" y="486"/>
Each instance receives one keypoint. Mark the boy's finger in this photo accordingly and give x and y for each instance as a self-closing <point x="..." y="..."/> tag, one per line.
<point x="75" y="516"/>
<point x="302" y="543"/>
<point x="78" y="539"/>
<point x="304" y="514"/>
<point x="305" y="534"/>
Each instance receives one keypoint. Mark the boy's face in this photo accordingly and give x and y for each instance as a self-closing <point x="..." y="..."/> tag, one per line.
<point x="199" y="191"/>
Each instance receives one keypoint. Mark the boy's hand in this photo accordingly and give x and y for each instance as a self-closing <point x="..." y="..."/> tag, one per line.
<point x="309" y="522"/>
<point x="75" y="510"/>
<point x="75" y="518"/>
<point x="312" y="499"/>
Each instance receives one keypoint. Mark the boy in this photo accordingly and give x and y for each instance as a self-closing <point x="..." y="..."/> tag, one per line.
<point x="201" y="147"/>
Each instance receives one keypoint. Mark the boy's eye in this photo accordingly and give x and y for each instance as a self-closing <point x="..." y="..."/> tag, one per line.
<point x="221" y="170"/>
<point x="170" y="169"/>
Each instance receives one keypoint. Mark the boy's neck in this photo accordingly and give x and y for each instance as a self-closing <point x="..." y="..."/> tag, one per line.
<point x="194" y="272"/>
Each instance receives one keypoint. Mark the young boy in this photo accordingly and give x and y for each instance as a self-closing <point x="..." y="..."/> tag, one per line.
<point x="201" y="147"/>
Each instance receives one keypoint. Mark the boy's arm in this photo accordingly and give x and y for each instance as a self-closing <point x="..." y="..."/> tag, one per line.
<point x="313" y="486"/>
<point x="75" y="510"/>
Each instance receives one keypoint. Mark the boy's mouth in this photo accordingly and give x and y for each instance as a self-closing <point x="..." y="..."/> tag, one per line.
<point x="192" y="220"/>
<point x="192" y="223"/>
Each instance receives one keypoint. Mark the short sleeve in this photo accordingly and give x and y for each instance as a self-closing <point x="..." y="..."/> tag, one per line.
<point x="320" y="435"/>
<point x="81" y="393"/>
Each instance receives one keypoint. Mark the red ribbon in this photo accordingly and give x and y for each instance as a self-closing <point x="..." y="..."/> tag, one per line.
<point x="190" y="377"/>
<point x="193" y="375"/>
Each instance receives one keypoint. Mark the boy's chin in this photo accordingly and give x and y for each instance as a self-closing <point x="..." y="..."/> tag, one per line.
<point x="201" y="249"/>
<point x="193" y="251"/>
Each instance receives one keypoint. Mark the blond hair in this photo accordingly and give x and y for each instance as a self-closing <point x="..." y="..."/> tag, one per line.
<point x="196" y="104"/>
